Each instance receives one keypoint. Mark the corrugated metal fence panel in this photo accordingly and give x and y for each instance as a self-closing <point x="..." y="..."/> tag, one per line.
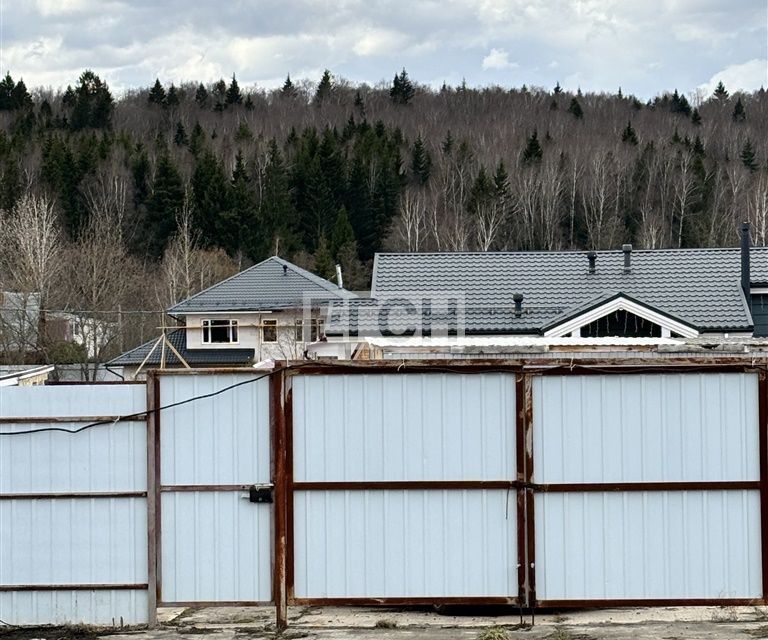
<point x="68" y="606"/>
<point x="73" y="400"/>
<point x="219" y="440"/>
<point x="404" y="427"/>
<point x="105" y="458"/>
<point x="646" y="427"/>
<point x="67" y="541"/>
<point x="405" y="543"/>
<point x="216" y="547"/>
<point x="640" y="545"/>
<point x="73" y="541"/>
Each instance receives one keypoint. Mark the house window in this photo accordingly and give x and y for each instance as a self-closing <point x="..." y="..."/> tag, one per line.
<point x="269" y="331"/>
<point x="307" y="330"/>
<point x="219" y="331"/>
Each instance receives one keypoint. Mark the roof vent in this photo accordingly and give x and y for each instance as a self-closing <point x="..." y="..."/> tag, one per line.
<point x="627" y="249"/>
<point x="592" y="257"/>
<point x="285" y="269"/>
<point x="518" y="298"/>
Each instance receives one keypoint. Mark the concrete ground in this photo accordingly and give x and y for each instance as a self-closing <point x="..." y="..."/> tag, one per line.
<point x="362" y="623"/>
<point x="327" y="623"/>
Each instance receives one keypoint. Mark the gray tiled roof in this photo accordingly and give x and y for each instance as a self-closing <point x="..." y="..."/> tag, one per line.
<point x="700" y="287"/>
<point x="272" y="284"/>
<point x="194" y="357"/>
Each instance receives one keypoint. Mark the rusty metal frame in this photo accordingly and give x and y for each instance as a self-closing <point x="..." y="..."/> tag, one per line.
<point x="524" y="483"/>
<point x="735" y="366"/>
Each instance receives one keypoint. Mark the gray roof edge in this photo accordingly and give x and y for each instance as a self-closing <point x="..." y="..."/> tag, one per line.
<point x="746" y="305"/>
<point x="595" y="302"/>
<point x="175" y="308"/>
<point x="182" y="307"/>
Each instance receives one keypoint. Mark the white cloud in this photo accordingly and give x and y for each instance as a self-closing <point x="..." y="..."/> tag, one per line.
<point x="375" y="42"/>
<point x="498" y="59"/>
<point x="748" y="76"/>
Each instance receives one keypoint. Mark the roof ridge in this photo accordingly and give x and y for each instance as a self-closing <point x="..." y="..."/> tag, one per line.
<point x="562" y="252"/>
<point x="213" y="286"/>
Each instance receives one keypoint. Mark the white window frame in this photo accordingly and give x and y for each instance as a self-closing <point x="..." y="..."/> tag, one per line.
<point x="668" y="326"/>
<point x="300" y="325"/>
<point x="231" y="327"/>
<point x="268" y="323"/>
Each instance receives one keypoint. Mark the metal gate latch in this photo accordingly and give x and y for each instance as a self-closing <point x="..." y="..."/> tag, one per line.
<point x="260" y="493"/>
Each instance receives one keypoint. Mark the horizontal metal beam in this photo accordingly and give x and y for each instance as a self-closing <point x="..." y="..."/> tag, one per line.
<point x="63" y="495"/>
<point x="200" y="604"/>
<point x="73" y="587"/>
<point x="66" y="419"/>
<point x="600" y="603"/>
<point x="732" y="485"/>
<point x="181" y="488"/>
<point x="404" y="601"/>
<point x="385" y="485"/>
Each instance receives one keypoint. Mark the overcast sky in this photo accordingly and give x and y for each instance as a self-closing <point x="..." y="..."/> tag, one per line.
<point x="644" y="46"/>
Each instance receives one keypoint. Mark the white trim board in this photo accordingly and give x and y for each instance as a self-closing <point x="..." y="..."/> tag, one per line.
<point x="667" y="324"/>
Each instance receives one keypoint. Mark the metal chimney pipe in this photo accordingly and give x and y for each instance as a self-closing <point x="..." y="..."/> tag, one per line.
<point x="627" y="249"/>
<point x="339" y="279"/>
<point x="745" y="276"/>
<point x="518" y="298"/>
<point x="592" y="257"/>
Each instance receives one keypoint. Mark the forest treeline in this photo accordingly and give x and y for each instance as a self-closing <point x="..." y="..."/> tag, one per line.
<point x="178" y="186"/>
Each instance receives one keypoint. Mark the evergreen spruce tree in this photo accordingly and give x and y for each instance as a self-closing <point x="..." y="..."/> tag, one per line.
<point x="324" y="266"/>
<point x="156" y="93"/>
<point x="421" y="162"/>
<point x="698" y="147"/>
<point x="172" y="98"/>
<point x="233" y="92"/>
<point x="243" y="214"/>
<point x="93" y="104"/>
<point x="210" y="197"/>
<point x="558" y="89"/>
<point x="6" y="93"/>
<point x="359" y="104"/>
<point x="201" y="95"/>
<point x="739" y="114"/>
<point x="482" y="193"/>
<point x="532" y="152"/>
<point x="20" y="96"/>
<point x="696" y="117"/>
<point x="288" y="90"/>
<point x="277" y="215"/>
<point x="575" y="109"/>
<point x="501" y="181"/>
<point x="324" y="88"/>
<point x="180" y="137"/>
<point x="10" y="185"/>
<point x="342" y="234"/>
<point x="748" y="156"/>
<point x="720" y="93"/>
<point x="402" y="90"/>
<point x="163" y="204"/>
<point x="447" y="145"/>
<point x="628" y="135"/>
<point x="248" y="104"/>
<point x="197" y="139"/>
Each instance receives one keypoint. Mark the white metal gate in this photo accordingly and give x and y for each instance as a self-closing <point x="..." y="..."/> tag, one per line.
<point x="214" y="545"/>
<point x="402" y="488"/>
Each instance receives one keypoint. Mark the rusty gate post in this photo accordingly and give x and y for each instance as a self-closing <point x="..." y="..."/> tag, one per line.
<point x="762" y="403"/>
<point x="277" y="431"/>
<point x="152" y="505"/>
